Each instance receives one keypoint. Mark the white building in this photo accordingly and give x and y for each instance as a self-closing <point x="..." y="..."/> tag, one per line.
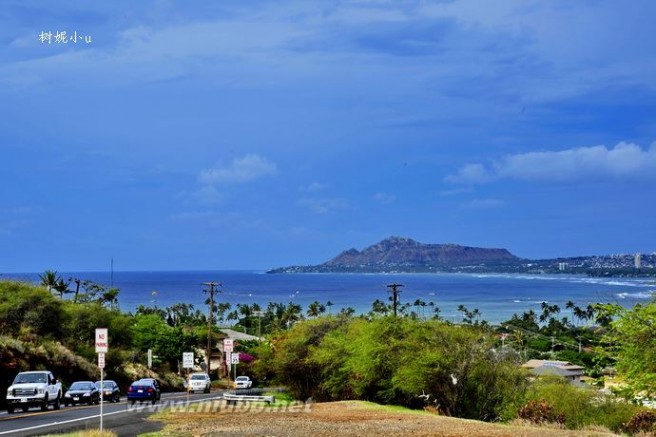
<point x="637" y="260"/>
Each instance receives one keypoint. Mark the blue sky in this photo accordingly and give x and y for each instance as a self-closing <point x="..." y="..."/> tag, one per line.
<point x="232" y="135"/>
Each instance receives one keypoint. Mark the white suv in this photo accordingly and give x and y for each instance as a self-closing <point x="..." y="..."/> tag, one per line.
<point x="199" y="382"/>
<point x="243" y="382"/>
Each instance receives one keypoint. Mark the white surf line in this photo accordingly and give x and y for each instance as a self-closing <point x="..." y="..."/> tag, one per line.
<point x="45" y="425"/>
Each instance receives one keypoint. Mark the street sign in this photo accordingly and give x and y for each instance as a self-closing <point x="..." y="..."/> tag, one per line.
<point x="188" y="360"/>
<point x="234" y="358"/>
<point x="101" y="360"/>
<point x="102" y="341"/>
<point x="228" y="345"/>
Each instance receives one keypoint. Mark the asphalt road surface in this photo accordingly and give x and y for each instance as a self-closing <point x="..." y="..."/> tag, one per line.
<point x="122" y="418"/>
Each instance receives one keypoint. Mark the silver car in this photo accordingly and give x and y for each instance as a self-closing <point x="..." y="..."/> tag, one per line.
<point x="199" y="382"/>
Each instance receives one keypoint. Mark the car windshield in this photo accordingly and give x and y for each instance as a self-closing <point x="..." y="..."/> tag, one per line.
<point x="242" y="378"/>
<point x="30" y="378"/>
<point x="81" y="386"/>
<point x="107" y="384"/>
<point x="198" y="377"/>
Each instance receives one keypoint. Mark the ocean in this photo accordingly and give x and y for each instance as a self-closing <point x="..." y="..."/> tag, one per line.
<point x="496" y="296"/>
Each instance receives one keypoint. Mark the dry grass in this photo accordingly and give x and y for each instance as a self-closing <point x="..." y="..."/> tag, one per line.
<point x="89" y="433"/>
<point x="345" y="419"/>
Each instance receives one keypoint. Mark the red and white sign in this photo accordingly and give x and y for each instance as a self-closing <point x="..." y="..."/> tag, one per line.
<point x="101" y="360"/>
<point x="102" y="341"/>
<point x="228" y="345"/>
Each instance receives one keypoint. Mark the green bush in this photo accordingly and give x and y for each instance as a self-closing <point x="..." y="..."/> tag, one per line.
<point x="401" y="361"/>
<point x="581" y="406"/>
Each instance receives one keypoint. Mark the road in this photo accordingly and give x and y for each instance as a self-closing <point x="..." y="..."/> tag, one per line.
<point x="122" y="418"/>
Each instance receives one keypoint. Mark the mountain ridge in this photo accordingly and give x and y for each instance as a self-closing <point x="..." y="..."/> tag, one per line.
<point x="400" y="254"/>
<point x="405" y="255"/>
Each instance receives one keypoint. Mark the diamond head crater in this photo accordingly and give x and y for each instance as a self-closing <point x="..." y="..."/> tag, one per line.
<point x="405" y="255"/>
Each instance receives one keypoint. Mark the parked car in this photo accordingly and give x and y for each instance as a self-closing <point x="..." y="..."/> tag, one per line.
<point x="110" y="391"/>
<point x="82" y="392"/>
<point x="199" y="382"/>
<point x="146" y="389"/>
<point x="243" y="382"/>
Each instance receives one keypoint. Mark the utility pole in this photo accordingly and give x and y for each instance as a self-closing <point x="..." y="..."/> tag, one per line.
<point x="210" y="318"/>
<point x="393" y="288"/>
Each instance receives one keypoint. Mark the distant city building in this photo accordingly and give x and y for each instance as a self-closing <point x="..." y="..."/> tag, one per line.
<point x="637" y="260"/>
<point x="563" y="266"/>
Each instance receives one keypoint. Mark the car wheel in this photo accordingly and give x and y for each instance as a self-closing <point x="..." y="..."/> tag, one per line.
<point x="57" y="404"/>
<point x="44" y="405"/>
<point x="10" y="410"/>
<point x="132" y="402"/>
<point x="25" y="409"/>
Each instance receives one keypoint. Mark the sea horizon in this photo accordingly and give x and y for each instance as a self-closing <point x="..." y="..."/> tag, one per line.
<point x="497" y="295"/>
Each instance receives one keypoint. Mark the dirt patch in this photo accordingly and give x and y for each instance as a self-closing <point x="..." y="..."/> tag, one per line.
<point x="343" y="419"/>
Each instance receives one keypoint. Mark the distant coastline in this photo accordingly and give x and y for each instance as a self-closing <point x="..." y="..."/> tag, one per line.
<point x="404" y="255"/>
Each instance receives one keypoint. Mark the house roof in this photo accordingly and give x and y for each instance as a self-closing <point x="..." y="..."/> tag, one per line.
<point x="236" y="335"/>
<point x="565" y="365"/>
<point x="554" y="370"/>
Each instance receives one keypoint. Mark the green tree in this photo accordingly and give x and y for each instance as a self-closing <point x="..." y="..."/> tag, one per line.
<point x="631" y="340"/>
<point x="168" y="342"/>
<point x="31" y="310"/>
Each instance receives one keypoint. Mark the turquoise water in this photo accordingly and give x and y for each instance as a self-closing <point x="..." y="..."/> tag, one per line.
<point x="496" y="296"/>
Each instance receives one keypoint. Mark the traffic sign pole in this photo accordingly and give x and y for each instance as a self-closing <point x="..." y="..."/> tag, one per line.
<point x="228" y="344"/>
<point x="188" y="363"/>
<point x="102" y="346"/>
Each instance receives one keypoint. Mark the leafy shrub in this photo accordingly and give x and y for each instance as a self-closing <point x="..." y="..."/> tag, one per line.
<point x="581" y="406"/>
<point x="539" y="412"/>
<point x="642" y="421"/>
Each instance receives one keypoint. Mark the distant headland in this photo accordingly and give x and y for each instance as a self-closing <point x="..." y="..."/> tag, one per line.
<point x="405" y="255"/>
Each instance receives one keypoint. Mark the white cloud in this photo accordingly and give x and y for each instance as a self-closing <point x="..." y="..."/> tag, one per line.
<point x="205" y="195"/>
<point x="241" y="170"/>
<point x="456" y="191"/>
<point x="384" y="198"/>
<point x="323" y="205"/>
<point x="483" y="203"/>
<point x="313" y="187"/>
<point x="624" y="161"/>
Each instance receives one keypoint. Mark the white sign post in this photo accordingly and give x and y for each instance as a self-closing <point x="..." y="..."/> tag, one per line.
<point x="188" y="363"/>
<point x="188" y="360"/>
<point x="228" y="344"/>
<point x="102" y="343"/>
<point x="234" y="360"/>
<point x="102" y="346"/>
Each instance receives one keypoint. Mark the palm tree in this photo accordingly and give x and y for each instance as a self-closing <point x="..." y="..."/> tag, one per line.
<point x="221" y="310"/>
<point x="347" y="312"/>
<point x="379" y="307"/>
<point x="315" y="309"/>
<point x="328" y="305"/>
<point x="292" y="313"/>
<point x="49" y="279"/>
